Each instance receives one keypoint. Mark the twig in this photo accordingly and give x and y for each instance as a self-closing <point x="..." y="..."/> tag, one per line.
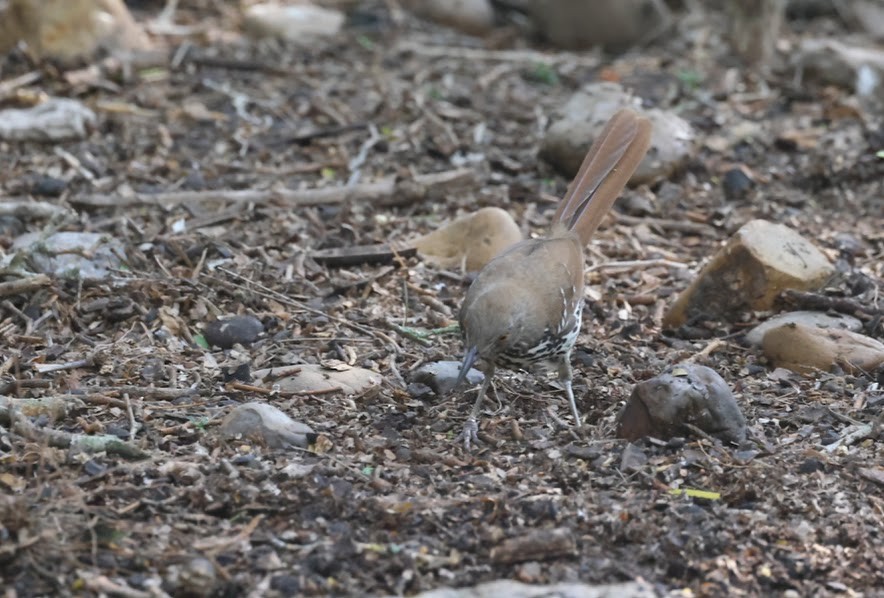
<point x="815" y="301"/>
<point x="163" y="394"/>
<point x="528" y="56"/>
<point x="855" y="434"/>
<point x="356" y="163"/>
<point x="77" y="442"/>
<point x="25" y="285"/>
<point x="132" y="425"/>
<point x="698" y="431"/>
<point x="104" y="586"/>
<point x="46" y="368"/>
<point x="408" y="333"/>
<point x="682" y="226"/>
<point x="710" y="347"/>
<point x="387" y="190"/>
<point x="214" y="545"/>
<point x="636" y="264"/>
<point x="10" y="85"/>
<point x="25" y="209"/>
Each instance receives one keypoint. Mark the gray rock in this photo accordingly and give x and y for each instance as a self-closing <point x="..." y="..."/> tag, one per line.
<point x="614" y="24"/>
<point x="299" y="23"/>
<point x="227" y="332"/>
<point x="573" y="130"/>
<point x="266" y="425"/>
<point x="441" y="376"/>
<point x="831" y="62"/>
<point x="84" y="256"/>
<point x="515" y="589"/>
<point x="684" y="394"/>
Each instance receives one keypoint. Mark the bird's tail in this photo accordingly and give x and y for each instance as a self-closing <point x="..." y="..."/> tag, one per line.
<point x="606" y="169"/>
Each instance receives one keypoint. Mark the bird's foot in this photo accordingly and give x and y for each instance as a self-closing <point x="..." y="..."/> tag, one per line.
<point x="469" y="433"/>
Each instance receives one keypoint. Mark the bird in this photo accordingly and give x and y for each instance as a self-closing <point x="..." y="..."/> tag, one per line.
<point x="524" y="308"/>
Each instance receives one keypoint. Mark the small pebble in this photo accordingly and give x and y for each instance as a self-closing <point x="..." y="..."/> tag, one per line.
<point x="736" y="184"/>
<point x="228" y="332"/>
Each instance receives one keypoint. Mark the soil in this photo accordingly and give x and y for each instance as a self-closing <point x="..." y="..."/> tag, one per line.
<point x="386" y="501"/>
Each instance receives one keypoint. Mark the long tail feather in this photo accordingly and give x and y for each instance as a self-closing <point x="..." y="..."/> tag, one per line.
<point x="613" y="157"/>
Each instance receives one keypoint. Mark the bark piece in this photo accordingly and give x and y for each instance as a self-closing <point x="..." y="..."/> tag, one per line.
<point x="535" y="546"/>
<point x="760" y="261"/>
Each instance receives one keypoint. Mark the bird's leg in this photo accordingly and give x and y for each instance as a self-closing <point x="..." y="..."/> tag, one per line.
<point x="470" y="430"/>
<point x="565" y="375"/>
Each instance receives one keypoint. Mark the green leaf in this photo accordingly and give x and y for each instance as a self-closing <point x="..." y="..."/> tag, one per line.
<point x="201" y="341"/>
<point x="544" y="73"/>
<point x="368" y="470"/>
<point x="694" y="493"/>
<point x="880" y="154"/>
<point x="365" y="42"/>
<point x="154" y="74"/>
<point x="327" y="173"/>
<point x="690" y="78"/>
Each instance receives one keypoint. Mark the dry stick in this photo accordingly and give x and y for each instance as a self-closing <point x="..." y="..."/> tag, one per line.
<point x="104" y="586"/>
<point x="527" y="56"/>
<point x="33" y="209"/>
<point x="10" y="85"/>
<point x="131" y="414"/>
<point x="629" y="265"/>
<point x="25" y="285"/>
<point x="710" y="347"/>
<point x="385" y="189"/>
<point x="163" y="394"/>
<point x="214" y="545"/>
<point x="66" y="440"/>
<point x="681" y="226"/>
<point x="808" y="300"/>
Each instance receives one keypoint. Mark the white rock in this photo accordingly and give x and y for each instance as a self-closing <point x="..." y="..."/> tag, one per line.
<point x="515" y="589"/>
<point x="265" y="424"/>
<point x="297" y="22"/>
<point x="57" y="119"/>
<point x="471" y="16"/>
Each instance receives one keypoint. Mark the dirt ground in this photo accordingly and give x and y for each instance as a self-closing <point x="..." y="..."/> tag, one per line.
<point x="389" y="503"/>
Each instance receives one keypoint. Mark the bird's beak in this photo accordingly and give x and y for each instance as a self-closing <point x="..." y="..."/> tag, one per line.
<point x="468" y="360"/>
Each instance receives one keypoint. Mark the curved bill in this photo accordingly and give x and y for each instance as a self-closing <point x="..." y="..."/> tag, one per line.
<point x="468" y="360"/>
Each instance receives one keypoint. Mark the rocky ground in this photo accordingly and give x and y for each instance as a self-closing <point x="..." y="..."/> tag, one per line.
<point x="237" y="136"/>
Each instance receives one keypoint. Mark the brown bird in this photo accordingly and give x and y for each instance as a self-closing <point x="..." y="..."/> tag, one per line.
<point x="524" y="308"/>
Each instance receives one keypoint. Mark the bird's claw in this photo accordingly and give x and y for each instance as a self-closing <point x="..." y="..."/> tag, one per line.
<point x="469" y="433"/>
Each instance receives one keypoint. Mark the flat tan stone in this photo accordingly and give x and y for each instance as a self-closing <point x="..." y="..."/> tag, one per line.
<point x="471" y="241"/>
<point x="804" y="349"/>
<point x="758" y="263"/>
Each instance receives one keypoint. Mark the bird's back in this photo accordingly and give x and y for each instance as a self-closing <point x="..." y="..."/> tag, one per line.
<point x="528" y="292"/>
